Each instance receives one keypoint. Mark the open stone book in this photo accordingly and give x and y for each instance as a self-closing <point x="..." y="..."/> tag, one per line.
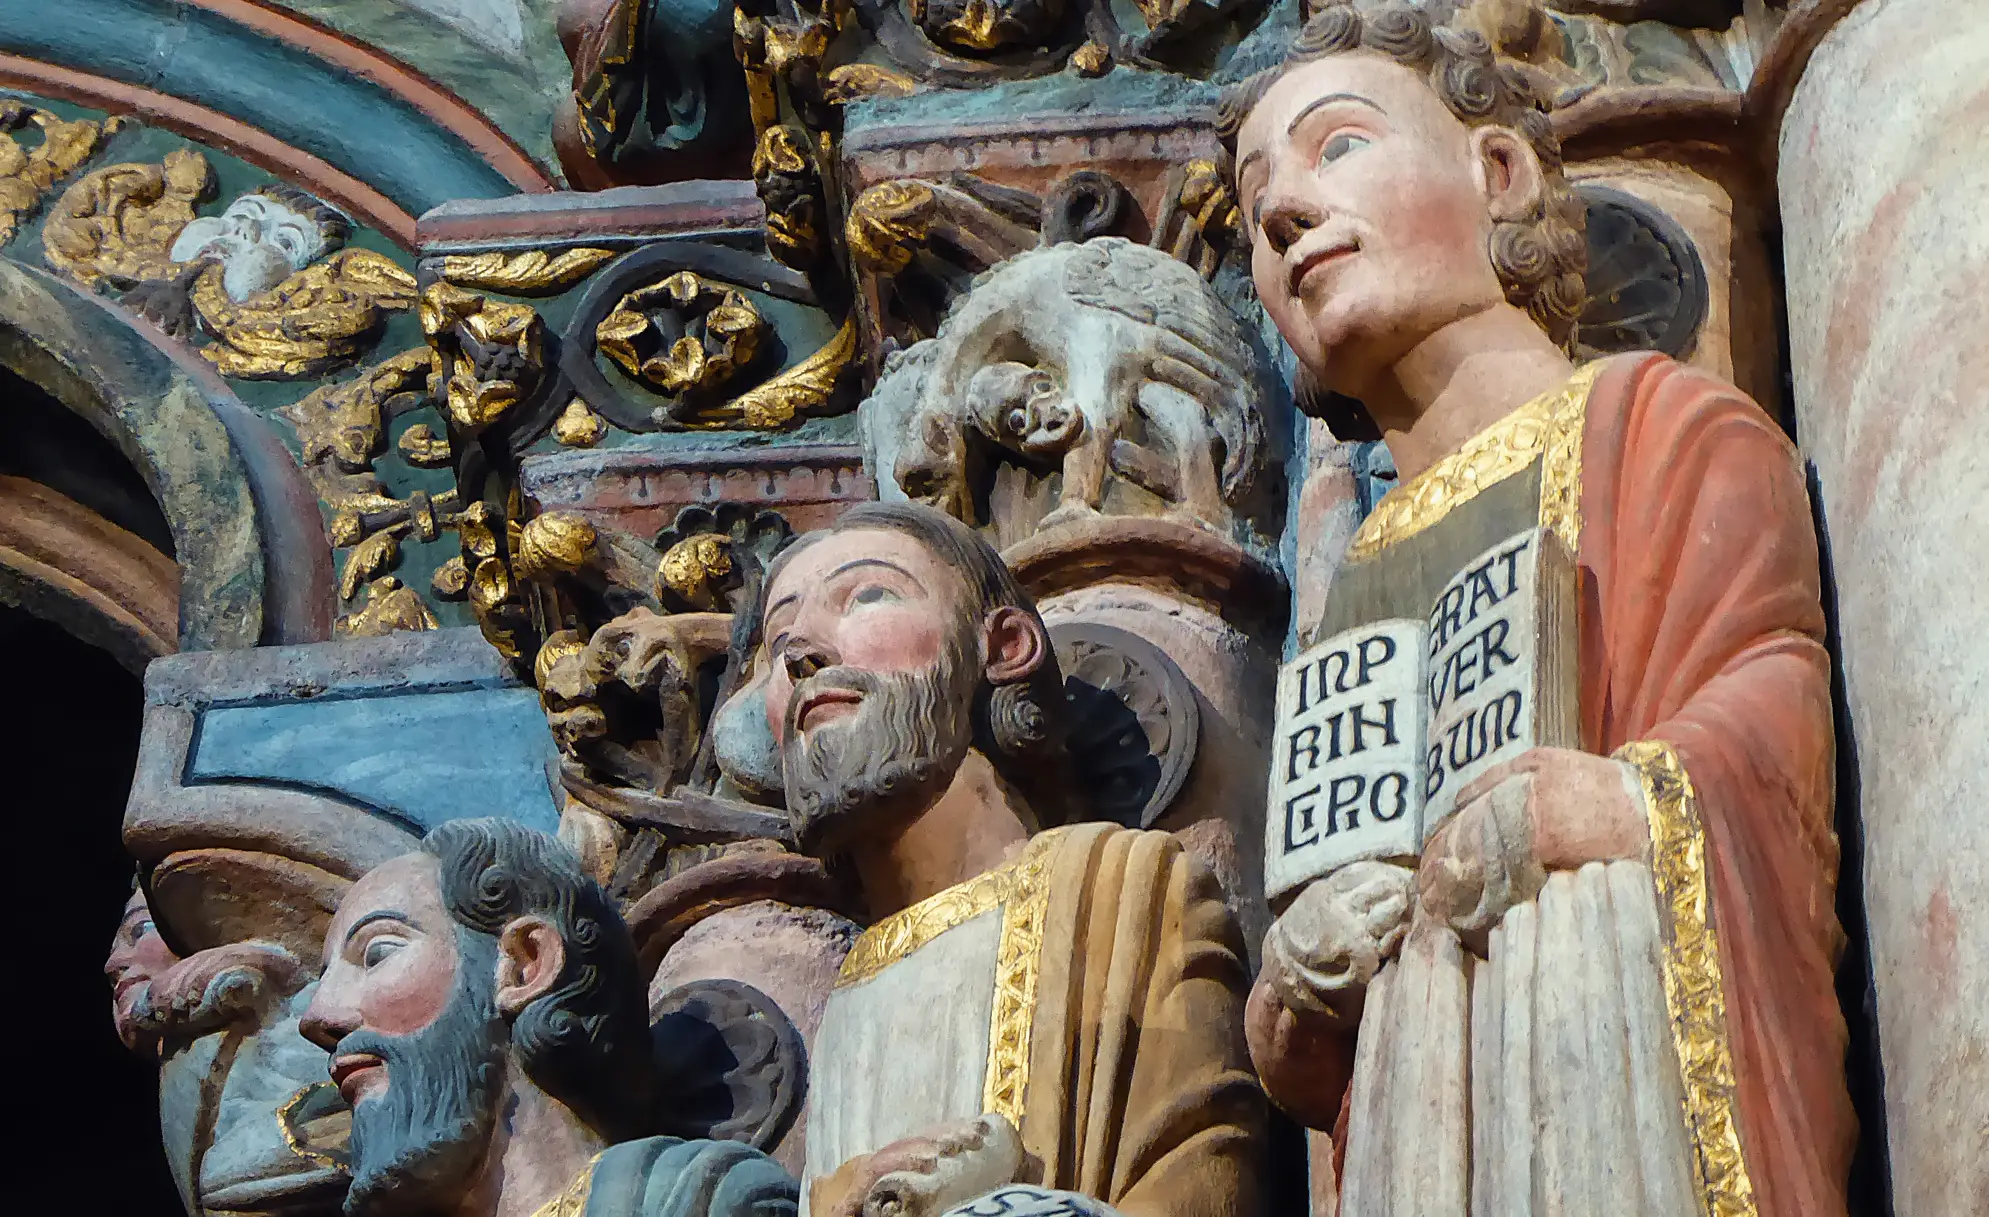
<point x="1381" y="725"/>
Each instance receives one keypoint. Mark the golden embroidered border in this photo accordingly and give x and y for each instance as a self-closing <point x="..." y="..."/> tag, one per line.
<point x="1549" y="426"/>
<point x="1692" y="989"/>
<point x="1017" y="963"/>
<point x="908" y="929"/>
<point x="286" y="1123"/>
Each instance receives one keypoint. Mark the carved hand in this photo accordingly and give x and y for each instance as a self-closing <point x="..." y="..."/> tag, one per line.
<point x="1322" y="952"/>
<point x="214" y="986"/>
<point x="1550" y="809"/>
<point x="925" y="1175"/>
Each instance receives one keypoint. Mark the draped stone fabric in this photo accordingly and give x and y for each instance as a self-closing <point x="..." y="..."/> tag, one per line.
<point x="1560" y="1070"/>
<point x="1114" y="1037"/>
<point x="1705" y="631"/>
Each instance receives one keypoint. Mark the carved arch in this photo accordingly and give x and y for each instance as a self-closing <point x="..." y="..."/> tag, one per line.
<point x="254" y="566"/>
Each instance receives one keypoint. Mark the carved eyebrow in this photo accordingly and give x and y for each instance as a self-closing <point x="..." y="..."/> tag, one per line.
<point x="1291" y="128"/>
<point x="1250" y="159"/>
<point x="378" y="915"/>
<point x="888" y="565"/>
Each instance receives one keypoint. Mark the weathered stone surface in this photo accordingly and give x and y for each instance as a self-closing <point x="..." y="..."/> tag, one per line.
<point x="253" y="560"/>
<point x="1884" y="165"/>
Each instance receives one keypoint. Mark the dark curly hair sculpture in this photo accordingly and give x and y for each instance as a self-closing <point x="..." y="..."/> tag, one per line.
<point x="1541" y="259"/>
<point x="586" y="1040"/>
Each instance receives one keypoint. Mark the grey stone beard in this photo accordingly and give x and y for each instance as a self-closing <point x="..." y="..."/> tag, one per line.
<point x="415" y="1144"/>
<point x="903" y="744"/>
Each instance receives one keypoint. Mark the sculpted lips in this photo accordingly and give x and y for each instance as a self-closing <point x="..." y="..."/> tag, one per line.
<point x="822" y="705"/>
<point x="1317" y="258"/>
<point x="352" y="1072"/>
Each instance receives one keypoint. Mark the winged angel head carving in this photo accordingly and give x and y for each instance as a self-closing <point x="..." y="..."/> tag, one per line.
<point x="266" y="281"/>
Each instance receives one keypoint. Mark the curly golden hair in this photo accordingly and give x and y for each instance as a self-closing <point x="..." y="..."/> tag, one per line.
<point x="1541" y="258"/>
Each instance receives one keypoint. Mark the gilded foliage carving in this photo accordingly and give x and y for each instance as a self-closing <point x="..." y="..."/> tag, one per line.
<point x="806" y="388"/>
<point x="682" y="335"/>
<point x="531" y="272"/>
<point x="28" y="173"/>
<point x="489" y="354"/>
<point x="266" y="281"/>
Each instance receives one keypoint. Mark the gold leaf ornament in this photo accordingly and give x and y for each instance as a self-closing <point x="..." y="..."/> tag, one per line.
<point x="390" y="608"/>
<point x="693" y="568"/>
<point x="115" y="225"/>
<point x="555" y="543"/>
<point x="888" y="223"/>
<point x="489" y="354"/>
<point x="577" y="426"/>
<point x="27" y="174"/>
<point x="522" y="274"/>
<point x="682" y="335"/>
<point x="368" y="558"/>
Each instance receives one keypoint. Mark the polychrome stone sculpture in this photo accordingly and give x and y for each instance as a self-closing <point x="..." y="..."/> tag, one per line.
<point x="487" y="1022"/>
<point x="249" y="1121"/>
<point x="1607" y="981"/>
<point x="1092" y="977"/>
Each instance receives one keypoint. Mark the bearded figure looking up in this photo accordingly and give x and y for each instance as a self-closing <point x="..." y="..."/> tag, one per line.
<point x="486" y="1020"/>
<point x="1058" y="1008"/>
<point x="1606" y="985"/>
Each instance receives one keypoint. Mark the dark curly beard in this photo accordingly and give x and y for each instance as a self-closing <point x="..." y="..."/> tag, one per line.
<point x="891" y="757"/>
<point x="416" y="1144"/>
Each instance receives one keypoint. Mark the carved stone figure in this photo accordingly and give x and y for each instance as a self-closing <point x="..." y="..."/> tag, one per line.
<point x="266" y="279"/>
<point x="263" y="238"/>
<point x="1082" y="360"/>
<point x="1608" y="981"/>
<point x="487" y="1021"/>
<point x="1092" y="976"/>
<point x="249" y="1123"/>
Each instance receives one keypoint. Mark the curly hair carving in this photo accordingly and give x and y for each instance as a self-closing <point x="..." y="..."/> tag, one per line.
<point x="1540" y="258"/>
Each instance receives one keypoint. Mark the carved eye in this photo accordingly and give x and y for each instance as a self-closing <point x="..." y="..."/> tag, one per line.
<point x="873" y="594"/>
<point x="379" y="949"/>
<point x="1339" y="144"/>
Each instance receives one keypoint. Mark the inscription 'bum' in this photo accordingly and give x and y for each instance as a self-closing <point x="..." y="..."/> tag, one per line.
<point x="1380" y="726"/>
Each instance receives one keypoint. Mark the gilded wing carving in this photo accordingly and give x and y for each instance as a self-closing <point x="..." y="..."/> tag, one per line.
<point x="114" y="226"/>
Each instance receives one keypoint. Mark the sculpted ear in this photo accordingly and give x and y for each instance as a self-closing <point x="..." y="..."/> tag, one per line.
<point x="530" y="957"/>
<point x="1508" y="173"/>
<point x="1014" y="643"/>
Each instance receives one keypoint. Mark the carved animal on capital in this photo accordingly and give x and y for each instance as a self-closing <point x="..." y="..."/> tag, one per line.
<point x="1093" y="360"/>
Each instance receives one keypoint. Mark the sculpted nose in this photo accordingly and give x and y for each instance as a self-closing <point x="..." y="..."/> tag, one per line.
<point x="1286" y="219"/>
<point x="325" y="1022"/>
<point x="803" y="660"/>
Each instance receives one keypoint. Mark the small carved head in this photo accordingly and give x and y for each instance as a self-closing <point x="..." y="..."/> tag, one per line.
<point x="262" y="238"/>
<point x="138" y="956"/>
<point x="451" y="972"/>
<point x="1393" y="178"/>
<point x="896" y="640"/>
<point x="1024" y="408"/>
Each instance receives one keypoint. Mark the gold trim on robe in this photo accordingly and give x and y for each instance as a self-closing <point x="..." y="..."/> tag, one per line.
<point x="1548" y="428"/>
<point x="1692" y="987"/>
<point x="1020" y="890"/>
<point x="573" y="1201"/>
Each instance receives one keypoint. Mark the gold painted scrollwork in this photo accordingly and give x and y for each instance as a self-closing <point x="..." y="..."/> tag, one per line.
<point x="888" y="223"/>
<point x="851" y="81"/>
<point x="113" y="226"/>
<point x="389" y="608"/>
<point x="693" y="568"/>
<point x="803" y="389"/>
<point x="682" y="335"/>
<point x="318" y="318"/>
<point x="524" y="274"/>
<point x="577" y="426"/>
<point x="27" y="173"/>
